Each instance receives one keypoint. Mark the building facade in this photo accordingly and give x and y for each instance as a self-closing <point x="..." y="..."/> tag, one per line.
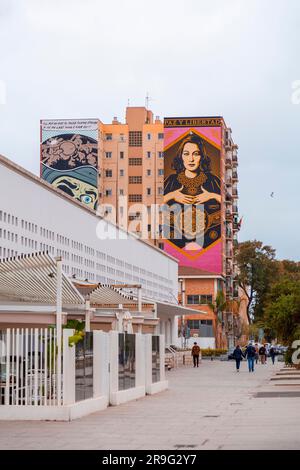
<point x="131" y="162"/>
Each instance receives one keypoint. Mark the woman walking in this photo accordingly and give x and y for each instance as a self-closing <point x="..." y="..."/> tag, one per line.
<point x="238" y="355"/>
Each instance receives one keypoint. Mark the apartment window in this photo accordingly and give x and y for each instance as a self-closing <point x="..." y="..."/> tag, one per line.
<point x="199" y="299"/>
<point x="135" y="179"/>
<point x="108" y="154"/>
<point x="161" y="246"/>
<point x="148" y="154"/>
<point x="148" y="191"/>
<point x="108" y="136"/>
<point x="122" y="155"/>
<point x="122" y="138"/>
<point x="121" y="172"/>
<point x="121" y="192"/>
<point x="108" y="192"/>
<point x="149" y="136"/>
<point x="108" y="210"/>
<point x="160" y="172"/>
<point x="135" y="139"/>
<point x="135" y="161"/>
<point x="108" y="173"/>
<point x="135" y="198"/>
<point x="160" y="191"/>
<point x="160" y="154"/>
<point x="148" y="172"/>
<point x="160" y="135"/>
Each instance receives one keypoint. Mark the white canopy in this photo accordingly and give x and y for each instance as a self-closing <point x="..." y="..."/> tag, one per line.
<point x="33" y="278"/>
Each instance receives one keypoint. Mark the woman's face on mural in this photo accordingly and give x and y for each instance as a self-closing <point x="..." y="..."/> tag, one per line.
<point x="191" y="156"/>
<point x="81" y="191"/>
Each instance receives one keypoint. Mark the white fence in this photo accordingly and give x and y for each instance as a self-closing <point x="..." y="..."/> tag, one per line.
<point x="99" y="371"/>
<point x="28" y="367"/>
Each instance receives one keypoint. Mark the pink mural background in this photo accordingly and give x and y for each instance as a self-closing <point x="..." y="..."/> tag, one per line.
<point x="208" y="259"/>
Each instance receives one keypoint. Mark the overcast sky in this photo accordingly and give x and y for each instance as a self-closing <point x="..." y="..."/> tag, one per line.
<point x="235" y="58"/>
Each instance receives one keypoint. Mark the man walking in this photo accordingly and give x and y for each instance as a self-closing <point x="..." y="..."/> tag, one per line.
<point x="238" y="355"/>
<point x="272" y="354"/>
<point x="195" y="354"/>
<point x="262" y="354"/>
<point x="250" y="354"/>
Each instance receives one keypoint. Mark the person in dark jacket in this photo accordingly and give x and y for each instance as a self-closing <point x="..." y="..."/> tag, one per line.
<point x="262" y="354"/>
<point x="195" y="353"/>
<point x="272" y="354"/>
<point x="238" y="355"/>
<point x="250" y="354"/>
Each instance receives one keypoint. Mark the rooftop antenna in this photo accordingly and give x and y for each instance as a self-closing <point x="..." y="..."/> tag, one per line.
<point x="147" y="99"/>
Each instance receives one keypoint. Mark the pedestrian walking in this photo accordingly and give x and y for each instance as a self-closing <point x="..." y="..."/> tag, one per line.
<point x="256" y="353"/>
<point x="250" y="354"/>
<point x="238" y="355"/>
<point x="272" y="354"/>
<point x="195" y="353"/>
<point x="262" y="354"/>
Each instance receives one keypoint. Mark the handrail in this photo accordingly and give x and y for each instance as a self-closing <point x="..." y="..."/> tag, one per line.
<point x="175" y="355"/>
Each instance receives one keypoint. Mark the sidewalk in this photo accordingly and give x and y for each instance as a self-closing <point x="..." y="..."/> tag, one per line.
<point x="212" y="407"/>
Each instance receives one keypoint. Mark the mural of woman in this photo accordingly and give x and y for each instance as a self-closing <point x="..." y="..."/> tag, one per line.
<point x="193" y="188"/>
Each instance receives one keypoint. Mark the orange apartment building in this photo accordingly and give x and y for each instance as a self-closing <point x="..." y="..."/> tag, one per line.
<point x="131" y="184"/>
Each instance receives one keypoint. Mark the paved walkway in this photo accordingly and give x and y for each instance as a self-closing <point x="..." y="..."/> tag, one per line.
<point x="212" y="407"/>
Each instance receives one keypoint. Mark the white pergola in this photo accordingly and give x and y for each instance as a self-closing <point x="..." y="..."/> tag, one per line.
<point x="38" y="280"/>
<point x="34" y="278"/>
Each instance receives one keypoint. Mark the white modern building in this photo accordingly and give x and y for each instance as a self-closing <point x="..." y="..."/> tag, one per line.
<point x="35" y="217"/>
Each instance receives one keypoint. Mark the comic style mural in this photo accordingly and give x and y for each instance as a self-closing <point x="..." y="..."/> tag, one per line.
<point x="69" y="157"/>
<point x="192" y="191"/>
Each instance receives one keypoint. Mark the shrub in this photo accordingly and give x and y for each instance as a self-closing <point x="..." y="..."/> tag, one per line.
<point x="213" y="352"/>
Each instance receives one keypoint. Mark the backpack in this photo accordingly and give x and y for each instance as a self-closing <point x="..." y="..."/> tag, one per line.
<point x="251" y="351"/>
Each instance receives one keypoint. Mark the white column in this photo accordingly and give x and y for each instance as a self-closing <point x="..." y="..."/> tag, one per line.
<point x="87" y="316"/>
<point x="174" y="330"/>
<point x="168" y="332"/>
<point x="162" y="357"/>
<point x="162" y="327"/>
<point x="58" y="324"/>
<point x="148" y="362"/>
<point x="140" y="328"/>
<point x="139" y="295"/>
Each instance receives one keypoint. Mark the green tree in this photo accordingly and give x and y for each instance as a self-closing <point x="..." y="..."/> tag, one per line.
<point x="258" y="269"/>
<point x="220" y="305"/>
<point x="282" y="312"/>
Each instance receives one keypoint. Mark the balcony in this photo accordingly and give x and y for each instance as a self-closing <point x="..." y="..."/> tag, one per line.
<point x="235" y="243"/>
<point x="229" y="181"/>
<point x="228" y="253"/>
<point x="235" y="176"/>
<point x="228" y="234"/>
<point x="228" y="162"/>
<point x="228" y="215"/>
<point x="235" y="193"/>
<point x="234" y="161"/>
<point x="234" y="209"/>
